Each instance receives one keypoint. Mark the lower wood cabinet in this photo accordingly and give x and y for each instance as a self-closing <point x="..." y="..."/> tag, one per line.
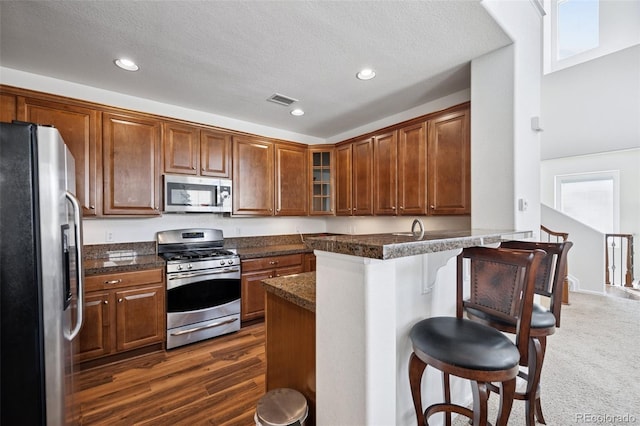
<point x="123" y="311"/>
<point x="256" y="270"/>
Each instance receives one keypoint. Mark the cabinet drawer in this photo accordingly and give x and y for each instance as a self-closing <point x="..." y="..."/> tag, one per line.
<point x="271" y="262"/>
<point x="123" y="279"/>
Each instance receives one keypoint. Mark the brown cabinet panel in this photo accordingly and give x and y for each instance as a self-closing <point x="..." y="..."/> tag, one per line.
<point x="256" y="270"/>
<point x="291" y="181"/>
<point x="448" y="156"/>
<point x="253" y="161"/>
<point x="252" y="300"/>
<point x="78" y="126"/>
<point x="95" y="335"/>
<point x="215" y="154"/>
<point x="363" y="177"/>
<point x="180" y="145"/>
<point x="7" y="107"/>
<point x="309" y="262"/>
<point x="131" y="158"/>
<point x="123" y="311"/>
<point x="344" y="155"/>
<point x="263" y="263"/>
<point x="385" y="173"/>
<point x="140" y="317"/>
<point x="412" y="170"/>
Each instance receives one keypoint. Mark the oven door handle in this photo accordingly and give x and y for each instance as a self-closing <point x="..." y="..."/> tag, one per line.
<point x="199" y="274"/>
<point x="204" y="327"/>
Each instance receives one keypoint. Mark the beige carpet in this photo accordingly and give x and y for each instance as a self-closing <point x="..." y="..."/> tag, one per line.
<point x="591" y="373"/>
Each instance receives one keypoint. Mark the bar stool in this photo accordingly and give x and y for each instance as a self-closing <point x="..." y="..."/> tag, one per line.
<point x="501" y="283"/>
<point x="549" y="281"/>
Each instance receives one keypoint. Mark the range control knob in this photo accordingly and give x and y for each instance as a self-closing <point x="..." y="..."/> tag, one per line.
<point x="230" y="262"/>
<point x="179" y="267"/>
<point x="222" y="262"/>
<point x="189" y="266"/>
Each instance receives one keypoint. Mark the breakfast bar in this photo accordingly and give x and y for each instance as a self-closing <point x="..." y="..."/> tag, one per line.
<point x="369" y="291"/>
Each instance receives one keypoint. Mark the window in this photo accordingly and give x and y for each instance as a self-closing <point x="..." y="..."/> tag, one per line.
<point x="577" y="27"/>
<point x="591" y="198"/>
<point x="576" y="31"/>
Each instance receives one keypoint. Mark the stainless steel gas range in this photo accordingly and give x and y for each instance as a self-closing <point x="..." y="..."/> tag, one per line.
<point x="203" y="285"/>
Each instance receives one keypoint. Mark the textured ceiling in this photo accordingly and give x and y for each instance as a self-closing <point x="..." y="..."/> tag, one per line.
<point x="228" y="57"/>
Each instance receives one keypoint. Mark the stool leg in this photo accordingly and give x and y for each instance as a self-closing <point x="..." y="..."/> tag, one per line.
<point x="480" y="398"/>
<point x="533" y="380"/>
<point x="416" y="368"/>
<point x="446" y="386"/>
<point x="538" y="406"/>
<point x="507" y="392"/>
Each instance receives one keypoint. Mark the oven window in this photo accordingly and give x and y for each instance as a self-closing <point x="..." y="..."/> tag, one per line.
<point x="203" y="294"/>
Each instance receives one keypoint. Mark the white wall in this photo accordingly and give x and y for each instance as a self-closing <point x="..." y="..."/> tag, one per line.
<point x="592" y="107"/>
<point x="585" y="262"/>
<point x="505" y="94"/>
<point x="627" y="162"/>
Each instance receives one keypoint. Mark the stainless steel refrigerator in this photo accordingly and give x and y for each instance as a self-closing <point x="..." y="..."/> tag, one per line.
<point x="41" y="276"/>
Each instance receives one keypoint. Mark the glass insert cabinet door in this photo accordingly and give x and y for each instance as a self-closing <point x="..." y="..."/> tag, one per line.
<point x="321" y="181"/>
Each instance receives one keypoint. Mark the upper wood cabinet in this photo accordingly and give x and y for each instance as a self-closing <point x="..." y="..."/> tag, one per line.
<point x="354" y="178"/>
<point x="385" y="174"/>
<point x="131" y="164"/>
<point x="78" y="126"/>
<point x="363" y="177"/>
<point x="253" y="174"/>
<point x="7" y="107"/>
<point x="400" y="173"/>
<point x="412" y="169"/>
<point x="215" y="153"/>
<point x="180" y="144"/>
<point x="344" y="156"/>
<point x="449" y="166"/>
<point x="291" y="191"/>
<point x="192" y="150"/>
<point x="322" y="180"/>
<point x="268" y="174"/>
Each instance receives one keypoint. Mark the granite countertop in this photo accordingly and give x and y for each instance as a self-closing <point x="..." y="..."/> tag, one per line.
<point x="299" y="289"/>
<point x="272" y="250"/>
<point x="403" y="244"/>
<point x="122" y="257"/>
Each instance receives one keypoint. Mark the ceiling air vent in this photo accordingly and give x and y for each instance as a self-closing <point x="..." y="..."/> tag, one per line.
<point x="281" y="99"/>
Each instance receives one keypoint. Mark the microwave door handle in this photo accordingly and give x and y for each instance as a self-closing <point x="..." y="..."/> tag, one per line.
<point x="79" y="268"/>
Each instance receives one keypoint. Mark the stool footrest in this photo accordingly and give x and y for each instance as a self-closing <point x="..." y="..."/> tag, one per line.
<point x="446" y="408"/>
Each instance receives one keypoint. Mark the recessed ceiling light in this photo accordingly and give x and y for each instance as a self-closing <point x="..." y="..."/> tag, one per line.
<point x="126" y="64"/>
<point x="297" y="112"/>
<point x="366" y="74"/>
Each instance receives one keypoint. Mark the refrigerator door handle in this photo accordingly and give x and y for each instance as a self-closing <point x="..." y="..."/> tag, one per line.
<point x="79" y="270"/>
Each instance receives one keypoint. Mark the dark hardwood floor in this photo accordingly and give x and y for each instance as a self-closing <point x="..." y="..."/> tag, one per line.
<point x="215" y="382"/>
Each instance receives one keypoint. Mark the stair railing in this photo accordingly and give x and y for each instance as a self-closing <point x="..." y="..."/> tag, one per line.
<point x="614" y="246"/>
<point x="556" y="237"/>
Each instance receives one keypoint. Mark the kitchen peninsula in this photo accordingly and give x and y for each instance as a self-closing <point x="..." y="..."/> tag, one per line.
<point x="369" y="291"/>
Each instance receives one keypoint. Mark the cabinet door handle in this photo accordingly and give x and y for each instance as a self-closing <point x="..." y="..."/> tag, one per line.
<point x="106" y="302"/>
<point x="432" y="207"/>
<point x="92" y="207"/>
<point x="401" y="208"/>
<point x="393" y="207"/>
<point x="120" y="300"/>
<point x="118" y="281"/>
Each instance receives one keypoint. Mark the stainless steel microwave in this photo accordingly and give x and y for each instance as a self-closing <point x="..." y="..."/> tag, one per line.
<point x="191" y="194"/>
